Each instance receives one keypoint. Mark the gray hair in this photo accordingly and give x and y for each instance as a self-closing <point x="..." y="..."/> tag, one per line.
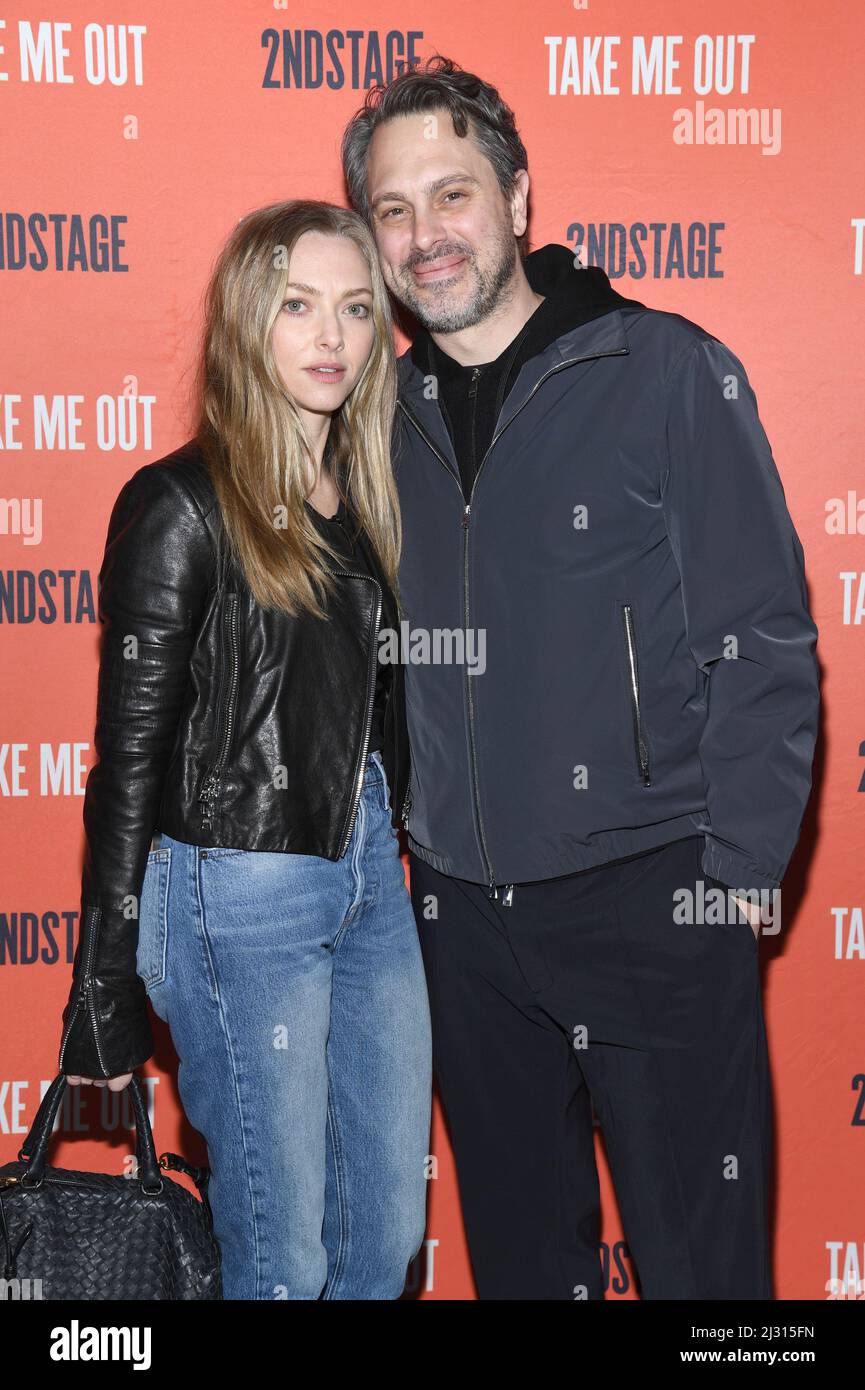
<point x="474" y="105"/>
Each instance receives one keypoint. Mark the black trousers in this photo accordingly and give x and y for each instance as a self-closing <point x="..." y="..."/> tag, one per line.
<point x="587" y="992"/>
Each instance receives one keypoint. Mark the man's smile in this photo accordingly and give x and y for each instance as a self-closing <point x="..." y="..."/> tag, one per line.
<point x="438" y="270"/>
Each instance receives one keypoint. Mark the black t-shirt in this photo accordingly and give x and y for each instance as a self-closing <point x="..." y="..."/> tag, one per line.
<point x="471" y="398"/>
<point x="341" y="530"/>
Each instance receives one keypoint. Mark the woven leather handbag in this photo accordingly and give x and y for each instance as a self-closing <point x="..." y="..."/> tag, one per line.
<point x="100" y="1235"/>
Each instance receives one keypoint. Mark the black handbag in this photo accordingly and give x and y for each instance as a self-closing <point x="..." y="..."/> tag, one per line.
<point x="100" y="1235"/>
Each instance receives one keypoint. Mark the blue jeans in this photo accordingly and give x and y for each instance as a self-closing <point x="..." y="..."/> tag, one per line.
<point x="294" y="990"/>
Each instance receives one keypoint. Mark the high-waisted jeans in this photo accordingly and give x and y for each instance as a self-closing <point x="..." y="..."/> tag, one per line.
<point x="294" y="990"/>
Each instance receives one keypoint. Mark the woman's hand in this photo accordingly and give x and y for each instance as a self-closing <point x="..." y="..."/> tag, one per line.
<point x="114" y="1083"/>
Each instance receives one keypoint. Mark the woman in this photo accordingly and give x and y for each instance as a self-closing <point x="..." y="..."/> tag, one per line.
<point x="244" y="722"/>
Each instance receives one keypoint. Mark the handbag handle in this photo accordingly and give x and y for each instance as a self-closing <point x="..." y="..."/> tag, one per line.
<point x="34" y="1150"/>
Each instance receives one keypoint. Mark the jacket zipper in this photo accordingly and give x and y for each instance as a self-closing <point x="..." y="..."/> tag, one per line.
<point x="467" y="507"/>
<point x="406" y="802"/>
<point x="370" y="700"/>
<point x="634" y="681"/>
<point x="493" y="891"/>
<point x="473" y="395"/>
<point x="210" y="787"/>
<point x="83" y="992"/>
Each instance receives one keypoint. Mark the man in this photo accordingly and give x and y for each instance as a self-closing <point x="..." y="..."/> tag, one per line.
<point x="587" y="490"/>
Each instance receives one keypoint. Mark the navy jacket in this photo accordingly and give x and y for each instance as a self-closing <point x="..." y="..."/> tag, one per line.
<point x="635" y="586"/>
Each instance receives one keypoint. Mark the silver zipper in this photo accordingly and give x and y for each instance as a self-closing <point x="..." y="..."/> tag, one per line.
<point x="407" y="799"/>
<point x="370" y="701"/>
<point x="634" y="677"/>
<point x="210" y="787"/>
<point x="493" y="893"/>
<point x="83" y="990"/>
<point x="467" y="506"/>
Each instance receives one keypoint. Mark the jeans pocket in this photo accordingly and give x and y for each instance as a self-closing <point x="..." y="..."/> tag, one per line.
<point x="152" y="949"/>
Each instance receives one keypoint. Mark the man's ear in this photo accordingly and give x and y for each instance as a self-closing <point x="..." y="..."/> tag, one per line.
<point x="519" y="202"/>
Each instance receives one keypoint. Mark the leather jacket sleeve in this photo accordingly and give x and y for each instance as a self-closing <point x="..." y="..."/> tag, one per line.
<point x="156" y="574"/>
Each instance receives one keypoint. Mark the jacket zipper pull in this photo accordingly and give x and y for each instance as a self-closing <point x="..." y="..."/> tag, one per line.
<point x="465" y="517"/>
<point x="508" y="895"/>
<point x="208" y="787"/>
<point x="473" y="388"/>
<point x="207" y="795"/>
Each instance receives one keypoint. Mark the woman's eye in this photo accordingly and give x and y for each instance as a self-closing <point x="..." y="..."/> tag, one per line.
<point x="291" y="301"/>
<point x="364" y="315"/>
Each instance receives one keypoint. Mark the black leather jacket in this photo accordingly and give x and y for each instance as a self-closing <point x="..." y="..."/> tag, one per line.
<point x="218" y="722"/>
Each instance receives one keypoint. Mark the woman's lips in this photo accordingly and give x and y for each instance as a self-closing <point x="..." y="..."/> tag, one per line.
<point x="319" y="375"/>
<point x="443" y="266"/>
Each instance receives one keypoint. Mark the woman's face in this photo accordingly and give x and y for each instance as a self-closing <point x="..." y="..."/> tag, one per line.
<point x="325" y="321"/>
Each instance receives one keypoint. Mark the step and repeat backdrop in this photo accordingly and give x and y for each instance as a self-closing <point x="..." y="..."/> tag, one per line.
<point x="708" y="156"/>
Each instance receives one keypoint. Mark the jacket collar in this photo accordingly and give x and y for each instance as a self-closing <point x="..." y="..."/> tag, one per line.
<point x="603" y="337"/>
<point x="389" y="610"/>
<point x="582" y="298"/>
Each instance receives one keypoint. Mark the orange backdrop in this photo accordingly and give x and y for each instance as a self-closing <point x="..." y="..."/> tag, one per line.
<point x="723" y="182"/>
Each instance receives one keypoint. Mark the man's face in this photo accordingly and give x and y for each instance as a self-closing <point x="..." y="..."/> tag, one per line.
<point x="445" y="232"/>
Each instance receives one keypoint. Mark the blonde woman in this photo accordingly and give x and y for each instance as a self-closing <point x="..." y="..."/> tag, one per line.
<point x="242" y="865"/>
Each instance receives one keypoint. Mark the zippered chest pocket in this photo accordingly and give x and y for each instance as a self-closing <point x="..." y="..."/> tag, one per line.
<point x="635" y="694"/>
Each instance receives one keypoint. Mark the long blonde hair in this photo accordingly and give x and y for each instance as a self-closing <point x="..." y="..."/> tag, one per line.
<point x="249" y="430"/>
